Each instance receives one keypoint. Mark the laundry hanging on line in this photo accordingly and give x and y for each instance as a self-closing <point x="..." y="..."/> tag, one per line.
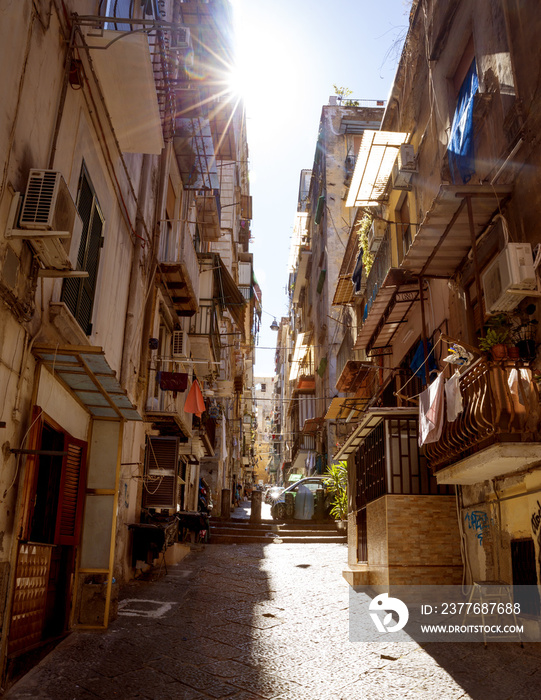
<point x="453" y="397"/>
<point x="431" y="411"/>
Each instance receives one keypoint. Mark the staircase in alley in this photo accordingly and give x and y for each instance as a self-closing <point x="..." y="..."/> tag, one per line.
<point x="242" y="531"/>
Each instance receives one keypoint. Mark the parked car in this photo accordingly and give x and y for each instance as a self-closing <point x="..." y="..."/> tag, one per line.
<point x="273" y="493"/>
<point x="278" y="506"/>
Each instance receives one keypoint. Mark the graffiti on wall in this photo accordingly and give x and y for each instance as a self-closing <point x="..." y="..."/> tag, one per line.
<point x="479" y="521"/>
<point x="536" y="519"/>
<point x="536" y="527"/>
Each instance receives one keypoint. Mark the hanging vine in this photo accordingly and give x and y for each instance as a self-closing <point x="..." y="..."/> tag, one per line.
<point x="363" y="228"/>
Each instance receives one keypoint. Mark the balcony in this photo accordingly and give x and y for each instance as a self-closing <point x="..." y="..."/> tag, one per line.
<point x="498" y="431"/>
<point x="207" y="205"/>
<point x="165" y="409"/>
<point x="205" y="429"/>
<point x="390" y="294"/>
<point x="179" y="268"/>
<point x="301" y="447"/>
<point x="204" y="332"/>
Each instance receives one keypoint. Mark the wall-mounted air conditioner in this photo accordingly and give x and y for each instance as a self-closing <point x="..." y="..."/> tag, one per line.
<point x="48" y="219"/>
<point x="509" y="278"/>
<point x="376" y="234"/>
<point x="161" y="482"/>
<point x="404" y="167"/>
<point x="180" y="39"/>
<point x="180" y="345"/>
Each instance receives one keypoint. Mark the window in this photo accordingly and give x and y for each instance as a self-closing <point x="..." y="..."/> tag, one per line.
<point x="78" y="293"/>
<point x="525" y="576"/>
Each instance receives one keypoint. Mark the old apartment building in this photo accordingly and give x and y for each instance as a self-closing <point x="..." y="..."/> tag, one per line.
<point x="442" y="265"/>
<point x="415" y="255"/>
<point x="126" y="283"/>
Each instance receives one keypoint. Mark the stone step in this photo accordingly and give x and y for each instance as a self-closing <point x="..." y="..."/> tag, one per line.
<point x="274" y="532"/>
<point x="219" y="538"/>
<point x="269" y="525"/>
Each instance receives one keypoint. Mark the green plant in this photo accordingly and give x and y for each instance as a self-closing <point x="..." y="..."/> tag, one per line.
<point x="493" y="337"/>
<point x="343" y="93"/>
<point x="337" y="486"/>
<point x="363" y="228"/>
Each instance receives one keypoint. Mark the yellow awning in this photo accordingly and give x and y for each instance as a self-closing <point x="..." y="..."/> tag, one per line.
<point x="341" y="406"/>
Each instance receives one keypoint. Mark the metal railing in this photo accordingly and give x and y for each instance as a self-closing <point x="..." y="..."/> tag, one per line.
<point x="176" y="246"/>
<point x="161" y="401"/>
<point x="345" y="352"/>
<point x="205" y="323"/>
<point x="500" y="404"/>
<point x="379" y="270"/>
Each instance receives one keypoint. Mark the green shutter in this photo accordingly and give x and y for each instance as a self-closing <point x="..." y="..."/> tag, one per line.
<point x="319" y="210"/>
<point x="320" y="281"/>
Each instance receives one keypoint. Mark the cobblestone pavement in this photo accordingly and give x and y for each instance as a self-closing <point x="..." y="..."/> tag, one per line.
<point x="254" y="622"/>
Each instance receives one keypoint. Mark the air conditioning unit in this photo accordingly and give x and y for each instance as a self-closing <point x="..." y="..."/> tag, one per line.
<point x="48" y="219"/>
<point x="181" y="345"/>
<point x="404" y="167"/>
<point x="180" y="39"/>
<point x="509" y="278"/>
<point x="160" y="488"/>
<point x="376" y="234"/>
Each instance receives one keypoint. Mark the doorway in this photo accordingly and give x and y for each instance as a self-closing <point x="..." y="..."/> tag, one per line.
<point x="54" y="486"/>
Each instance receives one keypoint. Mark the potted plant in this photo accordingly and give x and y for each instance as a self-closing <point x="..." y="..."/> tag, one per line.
<point x="496" y="337"/>
<point x="337" y="485"/>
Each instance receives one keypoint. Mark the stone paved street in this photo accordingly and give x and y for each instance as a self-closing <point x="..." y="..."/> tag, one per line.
<point x="253" y="621"/>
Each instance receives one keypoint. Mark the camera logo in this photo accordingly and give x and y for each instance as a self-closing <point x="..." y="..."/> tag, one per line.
<point x="383" y="602"/>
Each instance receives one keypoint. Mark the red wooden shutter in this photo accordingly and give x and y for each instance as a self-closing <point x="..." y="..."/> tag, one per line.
<point x="72" y="488"/>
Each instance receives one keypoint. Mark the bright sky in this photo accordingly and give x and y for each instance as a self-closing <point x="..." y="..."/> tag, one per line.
<point x="290" y="53"/>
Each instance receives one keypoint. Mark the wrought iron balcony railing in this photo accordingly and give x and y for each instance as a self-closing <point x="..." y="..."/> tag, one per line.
<point x="500" y="405"/>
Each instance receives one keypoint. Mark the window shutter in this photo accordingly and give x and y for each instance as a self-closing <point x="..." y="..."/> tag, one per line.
<point x="161" y="465"/>
<point x="78" y="293"/>
<point x="72" y="488"/>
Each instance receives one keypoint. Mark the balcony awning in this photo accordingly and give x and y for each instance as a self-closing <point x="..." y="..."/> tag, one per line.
<point x="312" y="425"/>
<point x="341" y="406"/>
<point x="369" y="421"/>
<point x="301" y="347"/>
<point x="229" y="295"/>
<point x="344" y="292"/>
<point x="124" y="67"/>
<point x="86" y="373"/>
<point x="388" y="311"/>
<point x="377" y="154"/>
<point x="447" y="220"/>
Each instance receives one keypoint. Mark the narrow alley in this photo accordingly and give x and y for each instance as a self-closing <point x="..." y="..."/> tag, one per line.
<point x="264" y="621"/>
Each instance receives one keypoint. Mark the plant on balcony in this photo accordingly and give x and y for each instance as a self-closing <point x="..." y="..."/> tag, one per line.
<point x="368" y="257"/>
<point x="497" y="336"/>
<point x="336" y="482"/>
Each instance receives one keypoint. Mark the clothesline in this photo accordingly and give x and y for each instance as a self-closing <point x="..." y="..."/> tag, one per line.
<point x="412" y="398"/>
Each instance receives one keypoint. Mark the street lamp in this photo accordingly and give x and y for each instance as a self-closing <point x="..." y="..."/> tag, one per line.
<point x="274" y="325"/>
